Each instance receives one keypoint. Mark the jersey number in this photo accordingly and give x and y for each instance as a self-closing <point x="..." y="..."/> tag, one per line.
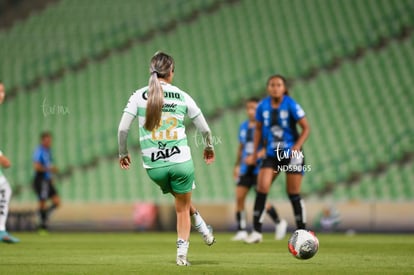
<point x="170" y="133"/>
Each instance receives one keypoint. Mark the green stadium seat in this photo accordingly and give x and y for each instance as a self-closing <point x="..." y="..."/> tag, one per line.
<point x="222" y="58"/>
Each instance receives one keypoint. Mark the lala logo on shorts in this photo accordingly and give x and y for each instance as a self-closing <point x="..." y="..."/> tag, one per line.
<point x="164" y="153"/>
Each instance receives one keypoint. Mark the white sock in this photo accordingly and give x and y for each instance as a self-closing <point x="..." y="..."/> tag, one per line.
<point x="4" y="204"/>
<point x="198" y="222"/>
<point x="182" y="247"/>
<point x="243" y="223"/>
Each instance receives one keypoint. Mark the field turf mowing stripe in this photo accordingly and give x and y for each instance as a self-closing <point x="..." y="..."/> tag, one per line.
<point x="154" y="253"/>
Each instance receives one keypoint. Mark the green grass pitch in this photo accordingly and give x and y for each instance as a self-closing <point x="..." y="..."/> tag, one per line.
<point x="154" y="253"/>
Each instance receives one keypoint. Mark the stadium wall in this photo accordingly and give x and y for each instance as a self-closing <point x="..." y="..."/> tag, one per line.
<point x="354" y="216"/>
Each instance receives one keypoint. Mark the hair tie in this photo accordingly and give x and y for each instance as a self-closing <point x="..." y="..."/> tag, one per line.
<point x="154" y="72"/>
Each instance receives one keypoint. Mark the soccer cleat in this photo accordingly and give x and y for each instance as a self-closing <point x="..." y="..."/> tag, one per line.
<point x="182" y="261"/>
<point x="209" y="237"/>
<point x="240" y="236"/>
<point x="280" y="229"/>
<point x="254" y="237"/>
<point x="7" y="238"/>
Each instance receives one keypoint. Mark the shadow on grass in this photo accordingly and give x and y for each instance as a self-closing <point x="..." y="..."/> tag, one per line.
<point x="202" y="263"/>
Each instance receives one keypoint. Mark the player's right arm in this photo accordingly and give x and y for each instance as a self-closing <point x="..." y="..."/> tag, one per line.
<point x="123" y="129"/>
<point x="38" y="165"/>
<point x="257" y="138"/>
<point x="236" y="170"/>
<point x="4" y="161"/>
<point x="130" y="112"/>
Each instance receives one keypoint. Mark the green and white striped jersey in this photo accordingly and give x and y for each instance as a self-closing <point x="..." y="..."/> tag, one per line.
<point x="167" y="144"/>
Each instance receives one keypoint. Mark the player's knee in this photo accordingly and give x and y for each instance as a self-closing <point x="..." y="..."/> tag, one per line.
<point x="42" y="204"/>
<point x="182" y="205"/>
<point x="263" y="188"/>
<point x="56" y="201"/>
<point x="240" y="202"/>
<point x="291" y="189"/>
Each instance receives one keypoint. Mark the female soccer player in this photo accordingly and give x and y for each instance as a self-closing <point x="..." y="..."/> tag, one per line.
<point x="245" y="173"/>
<point x="5" y="195"/>
<point x="276" y="118"/>
<point x="161" y="108"/>
<point x="5" y="190"/>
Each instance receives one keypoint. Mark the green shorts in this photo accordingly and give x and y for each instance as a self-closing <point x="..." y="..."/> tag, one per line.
<point x="177" y="178"/>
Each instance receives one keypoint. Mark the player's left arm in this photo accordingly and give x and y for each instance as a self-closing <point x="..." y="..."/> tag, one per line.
<point x="201" y="124"/>
<point x="304" y="133"/>
<point x="195" y="114"/>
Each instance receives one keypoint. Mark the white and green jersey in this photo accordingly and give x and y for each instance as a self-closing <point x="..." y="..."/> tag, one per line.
<point x="167" y="144"/>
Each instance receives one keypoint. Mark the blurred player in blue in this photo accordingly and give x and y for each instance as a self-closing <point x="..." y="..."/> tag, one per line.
<point x="5" y="190"/>
<point x="43" y="180"/>
<point x="245" y="173"/>
<point x="277" y="117"/>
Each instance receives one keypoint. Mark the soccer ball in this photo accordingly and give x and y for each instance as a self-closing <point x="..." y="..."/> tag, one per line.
<point x="303" y="244"/>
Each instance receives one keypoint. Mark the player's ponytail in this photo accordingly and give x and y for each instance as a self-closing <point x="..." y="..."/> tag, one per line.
<point x="154" y="103"/>
<point x="161" y="66"/>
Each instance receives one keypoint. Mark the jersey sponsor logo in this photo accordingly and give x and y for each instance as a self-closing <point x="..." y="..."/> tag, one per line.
<point x="277" y="132"/>
<point x="169" y="107"/>
<point x="161" y="145"/>
<point x="166" y="95"/>
<point x="284" y="114"/>
<point x="164" y="153"/>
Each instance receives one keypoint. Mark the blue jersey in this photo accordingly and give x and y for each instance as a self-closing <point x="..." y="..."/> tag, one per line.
<point x="246" y="135"/>
<point x="279" y="124"/>
<point x="43" y="156"/>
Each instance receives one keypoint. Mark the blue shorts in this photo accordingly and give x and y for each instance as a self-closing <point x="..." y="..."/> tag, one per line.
<point x="249" y="178"/>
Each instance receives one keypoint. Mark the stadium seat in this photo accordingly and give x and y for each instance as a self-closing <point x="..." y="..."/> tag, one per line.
<point x="236" y="48"/>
